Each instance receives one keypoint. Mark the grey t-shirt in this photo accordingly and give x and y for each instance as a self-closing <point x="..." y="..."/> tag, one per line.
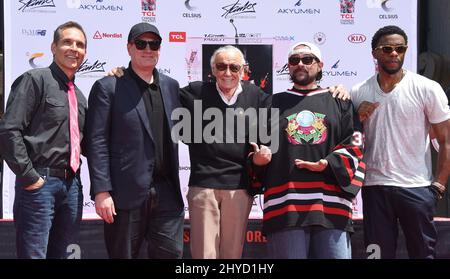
<point x="397" y="145"/>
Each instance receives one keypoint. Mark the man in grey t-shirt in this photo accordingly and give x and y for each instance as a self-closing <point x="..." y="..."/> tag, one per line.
<point x="398" y="108"/>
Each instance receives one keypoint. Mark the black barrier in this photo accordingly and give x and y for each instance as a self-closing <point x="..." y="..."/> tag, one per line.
<point x="91" y="242"/>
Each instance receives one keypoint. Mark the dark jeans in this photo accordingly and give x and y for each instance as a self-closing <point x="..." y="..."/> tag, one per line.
<point x="47" y="219"/>
<point x="413" y="208"/>
<point x="159" y="221"/>
<point x="313" y="242"/>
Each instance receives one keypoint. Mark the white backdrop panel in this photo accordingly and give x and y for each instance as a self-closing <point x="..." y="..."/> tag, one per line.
<point x="186" y="27"/>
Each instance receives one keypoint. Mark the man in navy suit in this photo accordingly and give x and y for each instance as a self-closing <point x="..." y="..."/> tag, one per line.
<point x="133" y="162"/>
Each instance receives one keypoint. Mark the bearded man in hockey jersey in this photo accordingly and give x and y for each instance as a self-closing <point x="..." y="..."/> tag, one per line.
<point x="317" y="171"/>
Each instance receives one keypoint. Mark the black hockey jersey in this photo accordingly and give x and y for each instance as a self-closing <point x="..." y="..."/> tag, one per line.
<point x="313" y="126"/>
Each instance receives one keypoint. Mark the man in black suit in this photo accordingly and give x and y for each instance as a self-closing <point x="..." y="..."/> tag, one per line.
<point x="133" y="163"/>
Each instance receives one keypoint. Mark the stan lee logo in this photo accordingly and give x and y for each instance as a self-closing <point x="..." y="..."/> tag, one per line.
<point x="34" y="4"/>
<point x="238" y="8"/>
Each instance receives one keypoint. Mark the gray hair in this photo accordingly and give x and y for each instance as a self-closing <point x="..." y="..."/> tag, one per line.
<point x="227" y="48"/>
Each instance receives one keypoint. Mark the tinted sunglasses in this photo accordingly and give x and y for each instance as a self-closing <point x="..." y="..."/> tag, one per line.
<point x="307" y="60"/>
<point x="141" y="44"/>
<point x="390" y="49"/>
<point x="233" y="67"/>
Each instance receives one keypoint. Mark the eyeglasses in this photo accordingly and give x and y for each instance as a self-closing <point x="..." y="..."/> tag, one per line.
<point x="390" y="49"/>
<point x="141" y="44"/>
<point x="307" y="60"/>
<point x="233" y="67"/>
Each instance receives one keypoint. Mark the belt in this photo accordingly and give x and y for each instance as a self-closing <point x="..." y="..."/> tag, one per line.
<point x="61" y="173"/>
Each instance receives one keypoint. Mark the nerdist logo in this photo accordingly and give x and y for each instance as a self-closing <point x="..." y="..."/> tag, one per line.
<point x="298" y="9"/>
<point x="104" y="35"/>
<point x="239" y="10"/>
<point x="42" y="6"/>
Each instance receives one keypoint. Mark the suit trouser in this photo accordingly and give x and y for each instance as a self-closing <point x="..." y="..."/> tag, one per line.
<point x="159" y="221"/>
<point x="218" y="221"/>
<point x="386" y="206"/>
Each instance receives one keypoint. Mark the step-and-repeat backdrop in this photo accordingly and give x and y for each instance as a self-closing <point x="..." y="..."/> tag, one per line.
<point x="263" y="29"/>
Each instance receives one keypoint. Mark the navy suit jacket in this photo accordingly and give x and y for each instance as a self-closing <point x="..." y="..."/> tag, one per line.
<point x="119" y="141"/>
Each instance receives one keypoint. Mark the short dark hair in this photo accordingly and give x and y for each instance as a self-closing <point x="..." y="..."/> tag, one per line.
<point x="388" y="30"/>
<point x="64" y="26"/>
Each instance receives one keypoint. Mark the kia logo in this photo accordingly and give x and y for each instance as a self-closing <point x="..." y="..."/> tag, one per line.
<point x="356" y="38"/>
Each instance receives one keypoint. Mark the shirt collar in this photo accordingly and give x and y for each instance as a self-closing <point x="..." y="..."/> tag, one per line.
<point x="142" y="83"/>
<point x="233" y="99"/>
<point x="59" y="74"/>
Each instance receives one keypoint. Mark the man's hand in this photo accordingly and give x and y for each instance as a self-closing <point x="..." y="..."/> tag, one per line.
<point x="366" y="109"/>
<point x="36" y="185"/>
<point x="340" y="92"/>
<point x="261" y="155"/>
<point x="312" y="166"/>
<point x="118" y="72"/>
<point x="104" y="206"/>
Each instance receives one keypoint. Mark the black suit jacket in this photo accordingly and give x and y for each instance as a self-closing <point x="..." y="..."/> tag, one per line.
<point x="119" y="140"/>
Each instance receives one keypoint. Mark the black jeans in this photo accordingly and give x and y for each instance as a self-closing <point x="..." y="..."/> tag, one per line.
<point x="159" y="221"/>
<point x="414" y="208"/>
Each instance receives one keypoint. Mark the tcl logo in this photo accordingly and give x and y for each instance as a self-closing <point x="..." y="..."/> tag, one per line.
<point x="177" y="37"/>
<point x="356" y="38"/>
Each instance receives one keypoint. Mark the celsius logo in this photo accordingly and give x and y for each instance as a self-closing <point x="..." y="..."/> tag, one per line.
<point x="34" y="4"/>
<point x="356" y="38"/>
<point x="177" y="37"/>
<point x="385" y="4"/>
<point x="34" y="56"/>
<point x="188" y="6"/>
<point x="238" y="8"/>
<point x="191" y="8"/>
